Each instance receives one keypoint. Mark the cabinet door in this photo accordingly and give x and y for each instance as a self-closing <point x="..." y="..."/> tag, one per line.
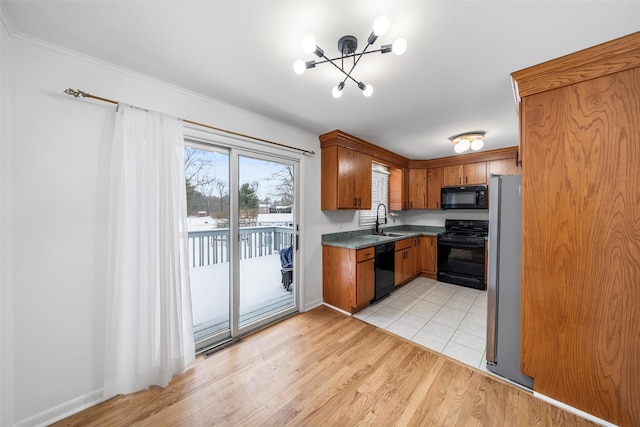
<point x="415" y="257"/>
<point x="475" y="173"/>
<point x="403" y="260"/>
<point x="363" y="181"/>
<point x="452" y="175"/>
<point x="399" y="267"/>
<point x="428" y="254"/>
<point x="503" y="167"/>
<point x="434" y="184"/>
<point x="354" y="179"/>
<point x="403" y="266"/>
<point x="417" y="188"/>
<point x="365" y="282"/>
<point x="398" y="191"/>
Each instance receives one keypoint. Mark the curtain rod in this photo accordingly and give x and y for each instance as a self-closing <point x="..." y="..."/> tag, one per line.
<point x="77" y="93"/>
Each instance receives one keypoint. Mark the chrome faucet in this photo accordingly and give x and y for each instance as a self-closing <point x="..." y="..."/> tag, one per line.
<point x="378" y="217"/>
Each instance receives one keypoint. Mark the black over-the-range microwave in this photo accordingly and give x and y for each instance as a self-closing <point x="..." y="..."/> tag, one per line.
<point x="467" y="197"/>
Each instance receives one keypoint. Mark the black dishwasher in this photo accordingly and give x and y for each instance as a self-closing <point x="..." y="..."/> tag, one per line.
<point x="385" y="269"/>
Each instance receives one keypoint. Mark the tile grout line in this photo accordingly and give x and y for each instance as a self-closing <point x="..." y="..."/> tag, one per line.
<point x="405" y="310"/>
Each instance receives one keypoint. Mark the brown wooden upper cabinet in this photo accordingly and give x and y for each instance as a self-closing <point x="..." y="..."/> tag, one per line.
<point x="398" y="189"/>
<point x="346" y="179"/>
<point x="434" y="184"/>
<point x="466" y="174"/>
<point x="417" y="188"/>
<point x="503" y="167"/>
<point x="413" y="184"/>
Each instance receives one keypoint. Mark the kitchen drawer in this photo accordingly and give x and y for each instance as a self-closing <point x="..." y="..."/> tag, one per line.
<point x="365" y="254"/>
<point x="404" y="244"/>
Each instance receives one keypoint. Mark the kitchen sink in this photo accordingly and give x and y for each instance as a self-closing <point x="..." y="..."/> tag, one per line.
<point x="393" y="234"/>
<point x="372" y="237"/>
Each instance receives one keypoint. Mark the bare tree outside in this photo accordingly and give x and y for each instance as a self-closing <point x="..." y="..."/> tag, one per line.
<point x="207" y="195"/>
<point x="196" y="168"/>
<point x="283" y="193"/>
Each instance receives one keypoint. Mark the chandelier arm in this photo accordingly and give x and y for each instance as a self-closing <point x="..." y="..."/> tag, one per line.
<point x="355" y="62"/>
<point x="348" y="75"/>
<point x="347" y="56"/>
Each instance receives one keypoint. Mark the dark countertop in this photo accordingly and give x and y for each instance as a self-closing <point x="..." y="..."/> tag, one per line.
<point x="364" y="238"/>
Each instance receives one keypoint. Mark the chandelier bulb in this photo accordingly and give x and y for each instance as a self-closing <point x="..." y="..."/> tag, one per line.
<point x="399" y="46"/>
<point x="337" y="91"/>
<point x="299" y="67"/>
<point x="381" y="25"/>
<point x="367" y="90"/>
<point x="308" y="43"/>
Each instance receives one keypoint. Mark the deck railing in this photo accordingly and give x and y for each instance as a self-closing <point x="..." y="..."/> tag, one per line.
<point x="208" y="247"/>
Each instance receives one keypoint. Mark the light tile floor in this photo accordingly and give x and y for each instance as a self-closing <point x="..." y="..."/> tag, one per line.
<point x="446" y="318"/>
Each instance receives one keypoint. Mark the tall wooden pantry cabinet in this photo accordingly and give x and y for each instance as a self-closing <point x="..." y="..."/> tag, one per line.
<point x="580" y="151"/>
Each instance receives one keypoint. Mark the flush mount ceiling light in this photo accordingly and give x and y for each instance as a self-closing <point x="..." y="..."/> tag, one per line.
<point x="347" y="46"/>
<point x="463" y="141"/>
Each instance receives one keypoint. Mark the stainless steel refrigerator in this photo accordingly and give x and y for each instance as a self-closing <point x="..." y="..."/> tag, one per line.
<point x="503" y="287"/>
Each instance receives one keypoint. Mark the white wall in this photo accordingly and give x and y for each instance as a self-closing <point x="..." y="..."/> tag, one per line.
<point x="54" y="169"/>
<point x="437" y="217"/>
<point x="6" y="334"/>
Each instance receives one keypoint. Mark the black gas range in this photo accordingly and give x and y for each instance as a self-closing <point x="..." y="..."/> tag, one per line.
<point x="461" y="252"/>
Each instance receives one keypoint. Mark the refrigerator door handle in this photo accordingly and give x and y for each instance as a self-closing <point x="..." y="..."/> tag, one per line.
<point x="492" y="285"/>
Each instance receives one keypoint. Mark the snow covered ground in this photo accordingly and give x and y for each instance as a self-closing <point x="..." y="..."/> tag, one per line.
<point x="260" y="280"/>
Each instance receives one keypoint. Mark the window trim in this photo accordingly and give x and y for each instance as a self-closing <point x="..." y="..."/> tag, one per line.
<point x="379" y="195"/>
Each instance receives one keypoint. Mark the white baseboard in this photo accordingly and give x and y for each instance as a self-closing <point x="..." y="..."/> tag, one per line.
<point x="313" y="304"/>
<point x="337" y="309"/>
<point x="63" y="410"/>
<point x="576" y="411"/>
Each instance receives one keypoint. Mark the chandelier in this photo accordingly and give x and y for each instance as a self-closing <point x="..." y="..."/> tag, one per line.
<point x="463" y="141"/>
<point x="347" y="46"/>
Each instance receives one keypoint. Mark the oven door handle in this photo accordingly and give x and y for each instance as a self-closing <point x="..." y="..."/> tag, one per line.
<point x="461" y="244"/>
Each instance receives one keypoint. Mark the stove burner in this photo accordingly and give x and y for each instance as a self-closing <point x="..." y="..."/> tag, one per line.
<point x="464" y="231"/>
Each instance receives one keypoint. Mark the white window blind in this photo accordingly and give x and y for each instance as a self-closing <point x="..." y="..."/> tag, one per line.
<point x="379" y="194"/>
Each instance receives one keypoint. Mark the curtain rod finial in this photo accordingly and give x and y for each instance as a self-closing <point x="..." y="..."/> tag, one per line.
<point x="76" y="93"/>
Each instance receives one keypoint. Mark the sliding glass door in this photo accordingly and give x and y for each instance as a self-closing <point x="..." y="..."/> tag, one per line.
<point x="208" y="211"/>
<point x="265" y="207"/>
<point x="239" y="284"/>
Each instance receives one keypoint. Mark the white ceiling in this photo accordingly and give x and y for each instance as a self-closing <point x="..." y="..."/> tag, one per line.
<point x="454" y="77"/>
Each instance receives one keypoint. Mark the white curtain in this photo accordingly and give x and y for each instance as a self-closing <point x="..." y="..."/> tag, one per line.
<point x="149" y="320"/>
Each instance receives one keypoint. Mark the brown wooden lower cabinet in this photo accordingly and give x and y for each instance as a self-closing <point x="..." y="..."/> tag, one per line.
<point x="404" y="261"/>
<point x="428" y="256"/>
<point x="348" y="277"/>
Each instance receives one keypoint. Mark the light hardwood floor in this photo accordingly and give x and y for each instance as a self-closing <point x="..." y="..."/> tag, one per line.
<point x="323" y="368"/>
